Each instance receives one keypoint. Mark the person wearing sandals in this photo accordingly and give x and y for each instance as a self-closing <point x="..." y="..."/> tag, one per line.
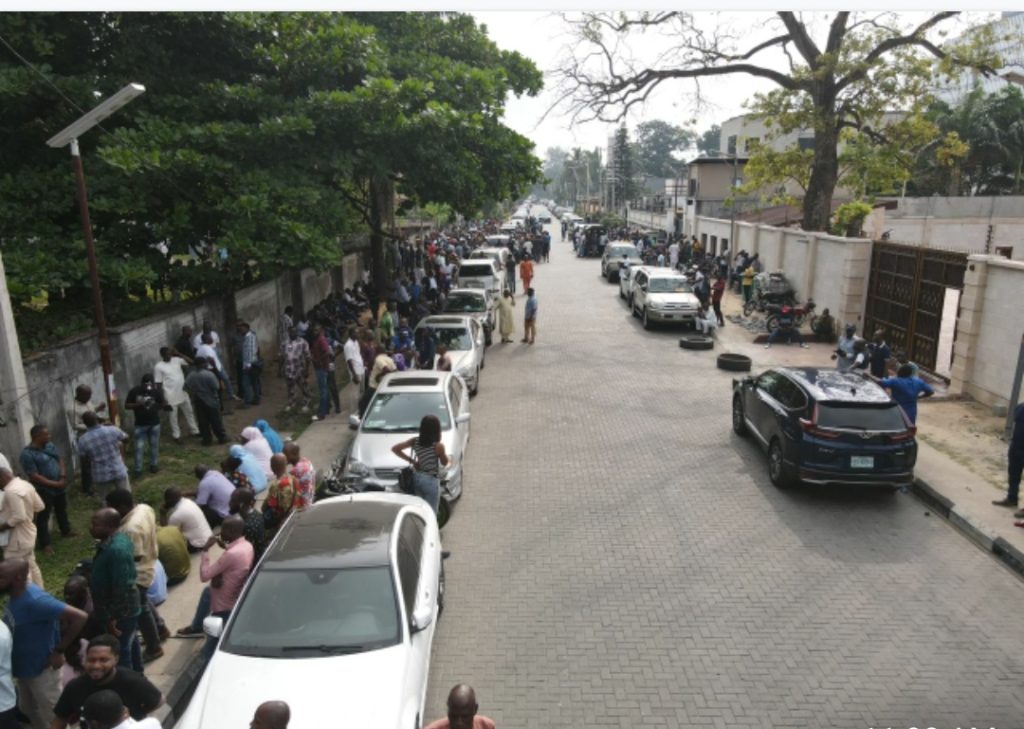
<point x="428" y="455"/>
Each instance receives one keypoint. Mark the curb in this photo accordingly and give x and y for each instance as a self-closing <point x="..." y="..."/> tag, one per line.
<point x="177" y="697"/>
<point x="1002" y="550"/>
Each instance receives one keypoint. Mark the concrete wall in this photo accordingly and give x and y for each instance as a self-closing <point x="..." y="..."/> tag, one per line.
<point x="989" y="329"/>
<point x="830" y="269"/>
<point x="52" y="375"/>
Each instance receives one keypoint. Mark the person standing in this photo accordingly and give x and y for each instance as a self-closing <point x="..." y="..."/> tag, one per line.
<point x="284" y="323"/>
<point x="208" y="352"/>
<point x="295" y="351"/>
<point x="169" y="374"/>
<point x="80" y="405"/>
<point x="252" y="365"/>
<point x="844" y="353"/>
<point x="510" y="274"/>
<point x="1015" y="462"/>
<point x="879" y="352"/>
<point x="907" y="389"/>
<point x="526" y="272"/>
<point x="530" y="321"/>
<point x="203" y="387"/>
<point x="673" y="255"/>
<point x="304" y="473"/>
<point x="184" y="344"/>
<point x="382" y="365"/>
<point x="428" y="455"/>
<point x="115" y="597"/>
<point x="105" y="710"/>
<point x="322" y="356"/>
<point x="748" y="283"/>
<point x="354" y="362"/>
<point x="8" y="696"/>
<point x="43" y="628"/>
<point x="462" y="711"/>
<point x="146" y="400"/>
<point x="206" y="332"/>
<point x="18" y="512"/>
<point x="506" y="316"/>
<point x="44" y="468"/>
<point x="717" y="291"/>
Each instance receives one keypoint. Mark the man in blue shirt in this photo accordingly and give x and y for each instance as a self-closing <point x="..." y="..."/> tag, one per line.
<point x="530" y="323"/>
<point x="906" y="390"/>
<point x="1015" y="462"/>
<point x="103" y="445"/>
<point x="43" y="628"/>
<point x="44" y="468"/>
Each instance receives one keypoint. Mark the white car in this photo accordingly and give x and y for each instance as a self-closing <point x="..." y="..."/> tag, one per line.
<point x="339" y="615"/>
<point x="464" y="338"/>
<point x="480" y="304"/>
<point x="480" y="273"/>
<point x="498" y="253"/>
<point x="662" y="295"/>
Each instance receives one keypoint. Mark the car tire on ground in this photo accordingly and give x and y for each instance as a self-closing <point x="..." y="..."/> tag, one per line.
<point x="476" y="387"/>
<point x="778" y="472"/>
<point x="739" y="425"/>
<point x="444" y="512"/>
<point x="734" y="362"/>
<point x="696" y="341"/>
<point x="646" y="320"/>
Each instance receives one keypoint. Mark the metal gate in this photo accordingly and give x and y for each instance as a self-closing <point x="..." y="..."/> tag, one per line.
<point x="906" y="293"/>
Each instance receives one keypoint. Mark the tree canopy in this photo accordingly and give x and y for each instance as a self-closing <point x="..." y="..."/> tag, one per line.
<point x="842" y="79"/>
<point x="657" y="145"/>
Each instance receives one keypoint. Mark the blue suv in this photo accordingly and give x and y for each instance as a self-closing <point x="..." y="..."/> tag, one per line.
<point x="822" y="426"/>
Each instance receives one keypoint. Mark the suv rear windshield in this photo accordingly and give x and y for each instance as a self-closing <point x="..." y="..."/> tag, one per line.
<point x="670" y="286"/>
<point x="465" y="302"/>
<point x="476" y="269"/>
<point x="859" y="417"/>
<point x="623" y="252"/>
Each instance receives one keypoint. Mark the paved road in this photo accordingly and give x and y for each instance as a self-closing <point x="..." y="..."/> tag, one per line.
<point x="621" y="559"/>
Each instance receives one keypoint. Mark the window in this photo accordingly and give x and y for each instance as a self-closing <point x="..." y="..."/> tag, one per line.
<point x="749" y="143"/>
<point x="401" y="412"/>
<point x="455" y="394"/>
<point x="465" y="302"/>
<point x="693" y="187"/>
<point x="806" y="143"/>
<point x="790" y="395"/>
<point x="859" y="417"/>
<point x="704" y="240"/>
<point x="410" y="550"/>
<point x="670" y="286"/>
<point x="769" y="383"/>
<point x="731" y="144"/>
<point x="1004" y="251"/>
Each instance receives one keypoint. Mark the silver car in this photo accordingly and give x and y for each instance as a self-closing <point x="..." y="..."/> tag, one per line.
<point x="615" y="253"/>
<point x="394" y="415"/>
<point x="464" y="338"/>
<point x="477" y="303"/>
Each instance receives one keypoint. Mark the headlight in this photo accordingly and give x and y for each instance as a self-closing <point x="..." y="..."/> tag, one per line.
<point x="655" y="304"/>
<point x="463" y="372"/>
<point x="357" y="469"/>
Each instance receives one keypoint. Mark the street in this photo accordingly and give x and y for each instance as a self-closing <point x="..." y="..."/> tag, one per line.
<point x="619" y="557"/>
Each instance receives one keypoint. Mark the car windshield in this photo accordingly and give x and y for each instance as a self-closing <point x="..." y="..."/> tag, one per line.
<point x="301" y="613"/>
<point x="624" y="252"/>
<point x="476" y="269"/>
<point x="455" y="338"/>
<point x="859" y="417"/>
<point x="401" y="412"/>
<point x="465" y="302"/>
<point x="669" y="286"/>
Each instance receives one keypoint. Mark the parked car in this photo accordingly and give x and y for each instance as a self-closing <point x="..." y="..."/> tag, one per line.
<point x="464" y="338"/>
<point x="497" y="253"/>
<point x="341" y="611"/>
<point x="480" y="273"/>
<point x="660" y="295"/>
<point x="823" y="426"/>
<point x="476" y="303"/>
<point x="394" y="415"/>
<point x="615" y="253"/>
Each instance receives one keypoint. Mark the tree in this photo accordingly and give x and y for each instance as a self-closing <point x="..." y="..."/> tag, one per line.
<point x="657" y="143"/>
<point x="866" y="65"/>
<point x="710" y="141"/>
<point x="622" y="167"/>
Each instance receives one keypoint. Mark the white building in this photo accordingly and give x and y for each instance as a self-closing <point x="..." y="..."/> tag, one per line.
<point x="1009" y="32"/>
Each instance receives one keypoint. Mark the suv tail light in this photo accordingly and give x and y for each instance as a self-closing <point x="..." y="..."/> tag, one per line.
<point x="811" y="427"/>
<point x="907" y="434"/>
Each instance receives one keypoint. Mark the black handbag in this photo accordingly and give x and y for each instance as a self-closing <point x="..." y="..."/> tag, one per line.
<point x="406" y="479"/>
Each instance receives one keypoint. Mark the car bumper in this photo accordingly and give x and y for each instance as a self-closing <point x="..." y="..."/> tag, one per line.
<point x="671" y="315"/>
<point x="847" y="478"/>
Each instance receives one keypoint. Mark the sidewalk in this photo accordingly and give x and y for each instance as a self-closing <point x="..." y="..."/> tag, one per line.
<point x="961" y="461"/>
<point x="181" y="666"/>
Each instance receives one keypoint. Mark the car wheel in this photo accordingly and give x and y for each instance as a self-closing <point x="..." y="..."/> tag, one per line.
<point x="476" y="386"/>
<point x="621" y="295"/>
<point x="777" y="470"/>
<point x="696" y="341"/>
<point x="734" y="362"/>
<point x="646" y="320"/>
<point x="488" y="338"/>
<point x="444" y="511"/>
<point x="739" y="425"/>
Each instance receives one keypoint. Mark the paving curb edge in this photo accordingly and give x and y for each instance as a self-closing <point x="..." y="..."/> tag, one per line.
<point x="180" y="693"/>
<point x="1002" y="550"/>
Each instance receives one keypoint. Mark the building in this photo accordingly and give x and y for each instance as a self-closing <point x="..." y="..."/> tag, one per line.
<point x="1009" y="32"/>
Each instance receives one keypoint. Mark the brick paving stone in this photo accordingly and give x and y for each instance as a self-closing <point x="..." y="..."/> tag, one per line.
<point x="619" y="557"/>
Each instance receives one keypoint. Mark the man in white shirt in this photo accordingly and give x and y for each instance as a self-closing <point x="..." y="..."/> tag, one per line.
<point x="187" y="516"/>
<point x="207" y="349"/>
<point x="207" y="329"/>
<point x="356" y="368"/>
<point x="8" y="699"/>
<point x="673" y="254"/>
<point x="169" y="373"/>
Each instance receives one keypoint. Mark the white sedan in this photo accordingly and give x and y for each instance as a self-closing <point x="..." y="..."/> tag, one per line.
<point x="338" y="616"/>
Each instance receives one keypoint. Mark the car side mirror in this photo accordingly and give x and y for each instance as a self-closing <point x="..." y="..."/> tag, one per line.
<point x="353" y="421"/>
<point x="422" y="617"/>
<point x="213" y="626"/>
<point x="460" y="419"/>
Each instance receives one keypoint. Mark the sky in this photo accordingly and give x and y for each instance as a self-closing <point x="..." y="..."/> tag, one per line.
<point x="543" y="37"/>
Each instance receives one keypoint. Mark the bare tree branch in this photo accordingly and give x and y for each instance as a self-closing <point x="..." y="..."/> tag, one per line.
<point x="798" y="32"/>
<point x="837" y="32"/>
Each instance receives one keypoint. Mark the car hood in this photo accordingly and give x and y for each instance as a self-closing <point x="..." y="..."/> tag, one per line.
<point x="675" y="299"/>
<point x="367" y="685"/>
<point x="374" y="449"/>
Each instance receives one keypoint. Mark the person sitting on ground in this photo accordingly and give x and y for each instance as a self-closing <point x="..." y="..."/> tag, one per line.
<point x="706" y="321"/>
<point x="824" y="328"/>
<point x="254" y="442"/>
<point x="213" y="494"/>
<point x="271" y="715"/>
<point x="187" y="516"/>
<point x="105" y="710"/>
<point x="462" y="711"/>
<point x="242" y="504"/>
<point x="281" y="496"/>
<point x="102" y="673"/>
<point x="230" y="467"/>
<point x="272" y="437"/>
<point x="253" y="471"/>
<point x="787" y="329"/>
<point x="173" y="551"/>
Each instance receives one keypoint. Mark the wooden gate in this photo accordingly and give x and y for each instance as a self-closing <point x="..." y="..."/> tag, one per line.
<point x="906" y="293"/>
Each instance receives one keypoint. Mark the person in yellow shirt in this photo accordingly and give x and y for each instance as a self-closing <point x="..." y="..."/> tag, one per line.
<point x="21" y="503"/>
<point x="748" y="283"/>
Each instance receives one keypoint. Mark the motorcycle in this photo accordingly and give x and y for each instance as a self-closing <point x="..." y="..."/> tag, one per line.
<point x="801" y="313"/>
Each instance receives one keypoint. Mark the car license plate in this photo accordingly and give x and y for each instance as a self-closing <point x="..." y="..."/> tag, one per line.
<point x="862" y="461"/>
<point x="668" y="316"/>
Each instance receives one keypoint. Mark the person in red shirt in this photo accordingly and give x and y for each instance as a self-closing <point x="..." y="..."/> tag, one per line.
<point x="462" y="708"/>
<point x="717" y="290"/>
<point x="526" y="271"/>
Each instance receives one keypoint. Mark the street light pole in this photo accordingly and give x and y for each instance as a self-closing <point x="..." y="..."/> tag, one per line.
<point x="69" y="137"/>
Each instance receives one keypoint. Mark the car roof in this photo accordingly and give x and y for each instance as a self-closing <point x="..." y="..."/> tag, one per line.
<point x="444" y="320"/>
<point x="336" y="534"/>
<point x="463" y="290"/>
<point x="414" y="381"/>
<point x="826" y="384"/>
<point x="655" y="270"/>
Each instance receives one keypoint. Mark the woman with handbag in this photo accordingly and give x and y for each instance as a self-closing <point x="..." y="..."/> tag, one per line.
<point x="428" y="455"/>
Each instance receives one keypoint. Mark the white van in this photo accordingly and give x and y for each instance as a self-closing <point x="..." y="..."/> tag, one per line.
<point x="499" y="255"/>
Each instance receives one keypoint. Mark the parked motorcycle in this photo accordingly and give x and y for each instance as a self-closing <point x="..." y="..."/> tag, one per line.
<point x="801" y="313"/>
